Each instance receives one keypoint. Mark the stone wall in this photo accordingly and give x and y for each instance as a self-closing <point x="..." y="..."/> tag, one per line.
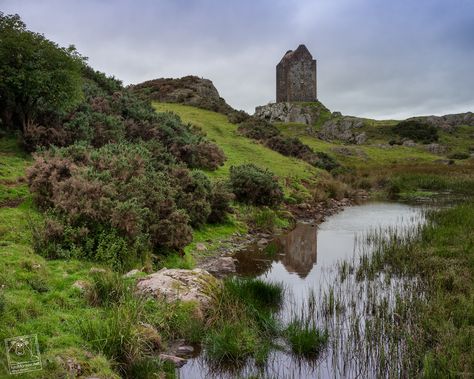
<point x="296" y="76"/>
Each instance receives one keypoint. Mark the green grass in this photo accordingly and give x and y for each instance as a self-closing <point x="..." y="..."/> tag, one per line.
<point x="238" y="149"/>
<point x="37" y="296"/>
<point x="305" y="339"/>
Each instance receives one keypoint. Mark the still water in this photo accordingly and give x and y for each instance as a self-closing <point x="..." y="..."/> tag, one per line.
<point x="306" y="261"/>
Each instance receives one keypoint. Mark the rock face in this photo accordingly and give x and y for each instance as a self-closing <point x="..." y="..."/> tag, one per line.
<point x="447" y="121"/>
<point x="344" y="129"/>
<point x="179" y="284"/>
<point x="291" y="112"/>
<point x="189" y="90"/>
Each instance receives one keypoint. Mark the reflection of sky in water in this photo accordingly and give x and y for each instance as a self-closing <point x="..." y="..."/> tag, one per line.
<point x="302" y="267"/>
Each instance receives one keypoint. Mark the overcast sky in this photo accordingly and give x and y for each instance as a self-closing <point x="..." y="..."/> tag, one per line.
<point x="376" y="58"/>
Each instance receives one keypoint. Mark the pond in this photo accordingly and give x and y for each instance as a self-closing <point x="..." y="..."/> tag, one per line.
<point x="309" y="261"/>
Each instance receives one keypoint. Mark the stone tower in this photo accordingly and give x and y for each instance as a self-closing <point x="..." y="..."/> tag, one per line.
<point x="296" y="76"/>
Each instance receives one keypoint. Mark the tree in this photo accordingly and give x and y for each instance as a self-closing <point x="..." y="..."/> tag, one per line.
<point x="36" y="75"/>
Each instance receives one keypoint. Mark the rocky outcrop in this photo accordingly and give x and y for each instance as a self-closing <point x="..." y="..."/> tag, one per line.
<point x="436" y="148"/>
<point x="343" y="128"/>
<point x="189" y="90"/>
<point x="178" y="284"/>
<point x="304" y="113"/>
<point x="447" y="121"/>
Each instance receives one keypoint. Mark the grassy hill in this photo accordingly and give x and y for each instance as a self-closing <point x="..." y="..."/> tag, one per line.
<point x="239" y="149"/>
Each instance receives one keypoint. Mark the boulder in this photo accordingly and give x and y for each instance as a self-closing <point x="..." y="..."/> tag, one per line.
<point x="220" y="266"/>
<point x="343" y="129"/>
<point x="291" y="112"/>
<point x="436" y="148"/>
<point x="179" y="284"/>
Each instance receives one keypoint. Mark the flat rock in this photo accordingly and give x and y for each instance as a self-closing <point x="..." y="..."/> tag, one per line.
<point x="220" y="266"/>
<point x="179" y="284"/>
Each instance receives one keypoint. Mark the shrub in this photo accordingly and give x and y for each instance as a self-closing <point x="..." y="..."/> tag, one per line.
<point x="458" y="155"/>
<point x="416" y="130"/>
<point x="254" y="185"/>
<point x="236" y="117"/>
<point x="325" y="161"/>
<point x="221" y="198"/>
<point x="258" y="129"/>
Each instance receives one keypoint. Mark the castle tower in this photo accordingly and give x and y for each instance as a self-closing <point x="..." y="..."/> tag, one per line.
<point x="296" y="76"/>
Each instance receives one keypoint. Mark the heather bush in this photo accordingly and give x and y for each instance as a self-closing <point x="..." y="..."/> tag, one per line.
<point x="221" y="197"/>
<point x="254" y="185"/>
<point x="258" y="129"/>
<point x="114" y="203"/>
<point x="236" y="117"/>
<point x="268" y="134"/>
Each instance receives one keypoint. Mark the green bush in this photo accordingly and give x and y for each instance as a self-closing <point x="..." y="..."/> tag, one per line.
<point x="416" y="130"/>
<point x="458" y="155"/>
<point x="254" y="185"/>
<point x="221" y="198"/>
<point x="258" y="129"/>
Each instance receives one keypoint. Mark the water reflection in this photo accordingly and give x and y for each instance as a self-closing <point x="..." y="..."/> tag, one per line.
<point x="305" y="261"/>
<point x="297" y="251"/>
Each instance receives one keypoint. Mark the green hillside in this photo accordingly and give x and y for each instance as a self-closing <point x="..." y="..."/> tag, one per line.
<point x="238" y="149"/>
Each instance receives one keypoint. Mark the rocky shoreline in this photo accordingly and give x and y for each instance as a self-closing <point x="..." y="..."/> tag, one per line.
<point x="221" y="263"/>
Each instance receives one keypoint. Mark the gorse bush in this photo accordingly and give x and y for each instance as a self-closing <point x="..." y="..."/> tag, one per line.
<point x="253" y="185"/>
<point x="115" y="203"/>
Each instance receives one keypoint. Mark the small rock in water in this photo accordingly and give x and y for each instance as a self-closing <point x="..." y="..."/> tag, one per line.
<point x="177" y="361"/>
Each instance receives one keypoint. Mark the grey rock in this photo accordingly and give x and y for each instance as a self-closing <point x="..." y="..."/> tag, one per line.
<point x="177" y="361"/>
<point x="220" y="266"/>
<point x="179" y="284"/>
<point x="290" y="112"/>
<point x="436" y="148"/>
<point x="343" y="129"/>
<point x="448" y="121"/>
<point x="409" y="143"/>
<point x="131" y="273"/>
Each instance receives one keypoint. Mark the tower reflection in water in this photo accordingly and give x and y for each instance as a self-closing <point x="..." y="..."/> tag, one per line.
<point x="296" y="250"/>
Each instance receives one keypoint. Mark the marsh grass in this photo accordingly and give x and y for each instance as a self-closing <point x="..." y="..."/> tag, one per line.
<point x="305" y="339"/>
<point x="242" y="323"/>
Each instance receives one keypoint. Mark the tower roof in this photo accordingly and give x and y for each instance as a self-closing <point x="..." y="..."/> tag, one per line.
<point x="301" y="52"/>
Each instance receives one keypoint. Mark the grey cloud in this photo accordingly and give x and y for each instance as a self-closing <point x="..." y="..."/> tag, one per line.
<point x="375" y="58"/>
